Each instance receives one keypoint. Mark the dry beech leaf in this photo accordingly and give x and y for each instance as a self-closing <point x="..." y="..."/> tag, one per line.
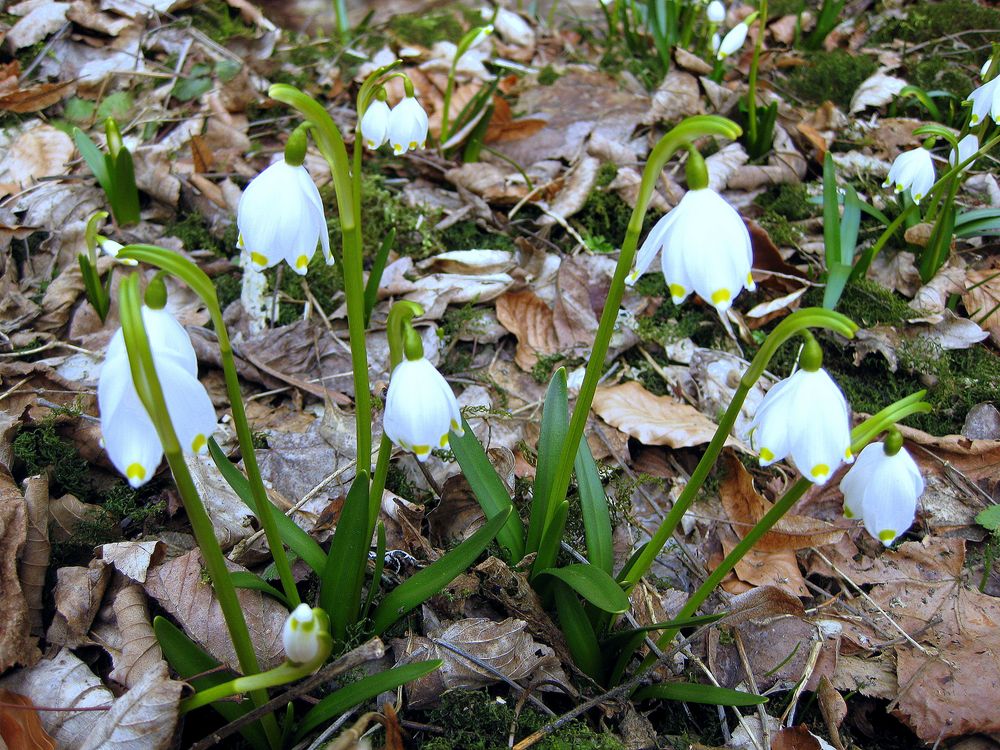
<point x="526" y="316"/>
<point x="40" y="151"/>
<point x="35" y="556"/>
<point x="180" y="589"/>
<point x="78" y="596"/>
<point x="778" y="651"/>
<point x="20" y="725"/>
<point x="471" y="262"/>
<point x="982" y="300"/>
<point x="142" y="719"/>
<point x="16" y="644"/>
<point x="67" y="682"/>
<point x="232" y="520"/>
<point x="65" y="513"/>
<point x="778" y="567"/>
<point x="133" y="559"/>
<point x="34" y="98"/>
<point x="677" y="97"/>
<point x="140" y="651"/>
<point x="876" y="90"/>
<point x="505" y="646"/>
<point x="37" y="22"/>
<point x="576" y="190"/>
<point x="653" y="420"/>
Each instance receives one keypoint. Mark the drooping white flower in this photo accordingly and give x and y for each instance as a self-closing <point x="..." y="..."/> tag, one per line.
<point x="716" y="42"/>
<point x="375" y="124"/>
<point x="986" y="67"/>
<point x="882" y="491"/>
<point x="302" y="633"/>
<point x="985" y="101"/>
<point x="912" y="170"/>
<point x="128" y="432"/>
<point x="966" y="148"/>
<point x="280" y="217"/>
<point x="804" y="417"/>
<point x="733" y="40"/>
<point x="705" y="249"/>
<point x="420" y="408"/>
<point x="407" y="126"/>
<point x="716" y="11"/>
<point x="111" y="248"/>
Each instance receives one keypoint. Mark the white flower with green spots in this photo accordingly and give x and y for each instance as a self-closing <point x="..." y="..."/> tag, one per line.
<point x="301" y="634"/>
<point x="407" y="127"/>
<point x="882" y="490"/>
<point x="420" y="408"/>
<point x="913" y="170"/>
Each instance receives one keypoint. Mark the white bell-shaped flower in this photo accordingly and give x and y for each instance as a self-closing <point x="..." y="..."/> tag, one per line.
<point x="111" y="248"/>
<point x="375" y="124"/>
<point x="128" y="432"/>
<point x="420" y="408"/>
<point x="302" y="633"/>
<point x="913" y="170"/>
<point x="280" y="217"/>
<point x="704" y="247"/>
<point x="804" y="417"/>
<point x="716" y="11"/>
<point x="733" y="40"/>
<point x="882" y="490"/>
<point x="407" y="126"/>
<point x="966" y="148"/>
<point x="985" y="101"/>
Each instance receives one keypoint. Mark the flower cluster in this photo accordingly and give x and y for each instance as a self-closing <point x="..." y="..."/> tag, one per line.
<point x="882" y="489"/>
<point x="420" y="408"/>
<point x="404" y="126"/>
<point x="129" y="435"/>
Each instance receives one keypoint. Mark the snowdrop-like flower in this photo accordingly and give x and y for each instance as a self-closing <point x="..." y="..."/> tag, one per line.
<point x="111" y="248"/>
<point x="705" y="248"/>
<point x="302" y="633"/>
<point x="129" y="435"/>
<point x="420" y="408"/>
<point x="985" y="101"/>
<point x="407" y="127"/>
<point x="882" y="490"/>
<point x="716" y="42"/>
<point x="966" y="148"/>
<point x="912" y="170"/>
<point x="733" y="40"/>
<point x="804" y="417"/>
<point x="716" y="12"/>
<point x="280" y="217"/>
<point x="375" y="124"/>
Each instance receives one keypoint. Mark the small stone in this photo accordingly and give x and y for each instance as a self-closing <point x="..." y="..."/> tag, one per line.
<point x="982" y="423"/>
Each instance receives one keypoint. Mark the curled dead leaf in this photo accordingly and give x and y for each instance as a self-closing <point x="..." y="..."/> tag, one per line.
<point x="20" y="725"/>
<point x="140" y="651"/>
<point x="35" y="556"/>
<point x="16" y="644"/>
<point x="78" y="596"/>
<point x="40" y="151"/>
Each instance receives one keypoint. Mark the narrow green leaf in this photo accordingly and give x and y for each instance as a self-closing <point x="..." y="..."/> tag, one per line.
<point x="690" y="622"/>
<point x="488" y="489"/>
<point x="344" y="574"/>
<point x="850" y="223"/>
<point x="297" y="539"/>
<point x="831" y="212"/>
<point x="692" y="692"/>
<point x="424" y="584"/>
<point x="977" y="222"/>
<point x="364" y="689"/>
<point x="379" y="566"/>
<point x="548" y="548"/>
<point x="244" y="579"/>
<point x="95" y="160"/>
<point x="593" y="584"/>
<point x="555" y="425"/>
<point x="375" y="275"/>
<point x="938" y="247"/>
<point x="188" y="659"/>
<point x="579" y="633"/>
<point x="126" y="204"/>
<point x="97" y="293"/>
<point x="594" y="503"/>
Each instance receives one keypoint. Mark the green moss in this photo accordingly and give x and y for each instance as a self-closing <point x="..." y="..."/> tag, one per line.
<point x="789" y="201"/>
<point x="670" y="322"/>
<point x="42" y="449"/>
<point x="547" y="76"/>
<point x="926" y="21"/>
<point x="473" y="720"/>
<point x="831" y="75"/>
<point x="220" y="21"/>
<point x="468" y="235"/>
<point x="867" y="303"/>
<point x="426" y="28"/>
<point x="228" y="287"/>
<point x="194" y="231"/>
<point x="604" y="218"/>
<point x="779" y="8"/>
<point x="324" y="282"/>
<point x="781" y="230"/>
<point x="937" y="73"/>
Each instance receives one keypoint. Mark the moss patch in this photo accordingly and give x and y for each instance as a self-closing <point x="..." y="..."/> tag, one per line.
<point x="831" y="75"/>
<point x="426" y="28"/>
<point x="604" y="218"/>
<point x="473" y="720"/>
<point x="924" y="22"/>
<point x="221" y="21"/>
<point x="41" y="448"/>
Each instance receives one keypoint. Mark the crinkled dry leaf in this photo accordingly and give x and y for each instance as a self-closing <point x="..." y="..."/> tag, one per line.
<point x="982" y="299"/>
<point x="133" y="559"/>
<point x="20" y="725"/>
<point x="180" y="589"/>
<point x="78" y="596"/>
<point x="878" y="89"/>
<point x="778" y="652"/>
<point x="506" y="647"/>
<point x="65" y="513"/>
<point x="872" y="676"/>
<point x="653" y="420"/>
<point x="63" y="681"/>
<point x="35" y="556"/>
<point x="40" y="151"/>
<point x="785" y="165"/>
<point x="677" y="97"/>
<point x="897" y="272"/>
<point x="16" y="644"/>
<point x="469" y="262"/>
<point x="232" y="520"/>
<point x="142" y="719"/>
<point x="39" y="18"/>
<point x="530" y="320"/>
<point x="576" y="190"/>
<point x="778" y="567"/>
<point x="931" y="300"/>
<point x="140" y="651"/>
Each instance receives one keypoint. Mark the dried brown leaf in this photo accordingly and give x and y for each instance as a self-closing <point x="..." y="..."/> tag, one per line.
<point x="78" y="596"/>
<point x="40" y="151"/>
<point x="653" y="420"/>
<point x="526" y="316"/>
<point x="982" y="299"/>
<point x="677" y="97"/>
<point x="878" y="89"/>
<point x="140" y="651"/>
<point x="133" y="559"/>
<point x="16" y="644"/>
<point x="575" y="191"/>
<point x="65" y="513"/>
<point x="142" y="719"/>
<point x="20" y="725"/>
<point x="39" y="18"/>
<point x="180" y="589"/>
<point x="35" y="556"/>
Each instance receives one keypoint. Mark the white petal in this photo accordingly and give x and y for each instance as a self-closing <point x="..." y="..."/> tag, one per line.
<point x="966" y="148"/>
<point x="190" y="408"/>
<point x="716" y="12"/>
<point x="407" y="128"/>
<point x="890" y="499"/>
<point x="375" y="124"/>
<point x="651" y="245"/>
<point x="167" y="338"/>
<point x="983" y="100"/>
<point x="855" y="481"/>
<point x="733" y="40"/>
<point x="821" y="435"/>
<point x="420" y="408"/>
<point x="130" y="439"/>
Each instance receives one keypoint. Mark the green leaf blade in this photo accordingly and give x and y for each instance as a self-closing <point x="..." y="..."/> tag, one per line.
<point x="344" y="572"/>
<point x="594" y="504"/>
<point x="593" y="584"/>
<point x="693" y="692"/>
<point x="555" y="425"/>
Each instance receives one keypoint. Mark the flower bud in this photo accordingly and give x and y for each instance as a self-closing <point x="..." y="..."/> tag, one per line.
<point x="302" y="632"/>
<point x="716" y="11"/>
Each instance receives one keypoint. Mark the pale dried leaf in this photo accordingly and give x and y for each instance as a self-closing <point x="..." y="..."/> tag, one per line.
<point x="65" y="513"/>
<point x="232" y="520"/>
<point x="723" y="164"/>
<point x="530" y="320"/>
<point x="653" y="420"/>
<point x="153" y="174"/>
<point x="785" y="165"/>
<point x="577" y="188"/>
<point x="16" y="644"/>
<point x="778" y="303"/>
<point x="63" y="681"/>
<point x="873" y="676"/>
<point x="39" y="18"/>
<point x="677" y="97"/>
<point x="982" y="299"/>
<point x="78" y="596"/>
<point x="691" y="62"/>
<point x="897" y="272"/>
<point x="180" y="589"/>
<point x="470" y="262"/>
<point x="876" y="90"/>
<point x="140" y="651"/>
<point x="133" y="559"/>
<point x="142" y="719"/>
<point x="931" y="300"/>
<point x="35" y="556"/>
<point x="40" y="151"/>
<point x="777" y="651"/>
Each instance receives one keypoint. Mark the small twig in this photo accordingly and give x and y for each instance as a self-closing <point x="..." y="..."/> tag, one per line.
<point x="368" y="651"/>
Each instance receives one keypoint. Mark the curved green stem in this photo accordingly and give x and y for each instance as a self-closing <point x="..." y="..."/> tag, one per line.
<point x="201" y="285"/>
<point x="147" y="384"/>
<point x="797" y="322"/>
<point x="752" y="80"/>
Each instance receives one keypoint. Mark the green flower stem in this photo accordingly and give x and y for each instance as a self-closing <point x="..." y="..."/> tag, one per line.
<point x="861" y="436"/>
<point x="796" y="323"/>
<point x="464" y="44"/>
<point x="150" y="392"/>
<point x="347" y="185"/>
<point x="400" y="315"/>
<point x="280" y="675"/>
<point x="752" y="79"/>
<point x="680" y="136"/>
<point x="196" y="279"/>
